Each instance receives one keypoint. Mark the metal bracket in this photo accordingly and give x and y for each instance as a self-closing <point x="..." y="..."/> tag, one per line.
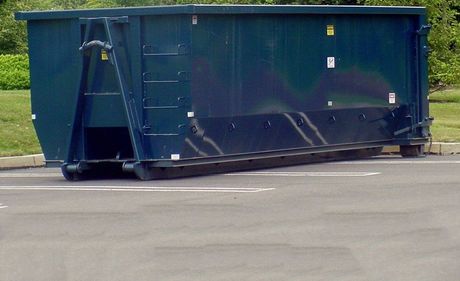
<point x="96" y="43"/>
<point x="148" y="50"/>
<point x="423" y="30"/>
<point x="425" y="123"/>
<point x="113" y="34"/>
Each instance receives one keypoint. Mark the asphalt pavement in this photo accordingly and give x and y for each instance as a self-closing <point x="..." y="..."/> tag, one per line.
<point x="387" y="218"/>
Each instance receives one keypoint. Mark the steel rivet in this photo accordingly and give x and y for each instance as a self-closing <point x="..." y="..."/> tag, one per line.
<point x="300" y="122"/>
<point x="267" y="125"/>
<point x="194" y="129"/>
<point x="331" y="119"/>
<point x="231" y="127"/>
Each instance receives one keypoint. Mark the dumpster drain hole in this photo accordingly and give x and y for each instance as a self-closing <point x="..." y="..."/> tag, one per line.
<point x="267" y="125"/>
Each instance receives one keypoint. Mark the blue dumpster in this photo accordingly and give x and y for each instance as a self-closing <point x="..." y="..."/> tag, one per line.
<point x="173" y="90"/>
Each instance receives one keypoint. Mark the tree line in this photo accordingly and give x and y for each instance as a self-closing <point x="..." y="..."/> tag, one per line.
<point x="443" y="15"/>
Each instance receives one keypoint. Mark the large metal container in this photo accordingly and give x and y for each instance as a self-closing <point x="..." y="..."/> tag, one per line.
<point x="157" y="89"/>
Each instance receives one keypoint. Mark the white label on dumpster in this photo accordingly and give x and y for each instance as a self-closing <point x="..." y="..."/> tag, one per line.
<point x="34" y="116"/>
<point x="330" y="62"/>
<point x="190" y="114"/>
<point x="175" y="156"/>
<point x="194" y="19"/>
<point x="329" y="103"/>
<point x="391" y="98"/>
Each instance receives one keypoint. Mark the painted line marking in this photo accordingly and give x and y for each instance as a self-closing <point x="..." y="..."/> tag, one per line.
<point x="135" y="188"/>
<point x="405" y="162"/>
<point x="3" y="206"/>
<point x="305" y="174"/>
<point x="31" y="175"/>
<point x="267" y="174"/>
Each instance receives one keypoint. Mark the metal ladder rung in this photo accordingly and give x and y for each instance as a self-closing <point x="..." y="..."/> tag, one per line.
<point x="162" y="81"/>
<point x="160" y="135"/>
<point x="102" y="94"/>
<point x="162" y="107"/>
<point x="182" y="50"/>
<point x="183" y="76"/>
<point x="162" y="54"/>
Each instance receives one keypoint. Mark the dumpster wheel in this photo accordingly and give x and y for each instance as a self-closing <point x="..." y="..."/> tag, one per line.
<point x="75" y="176"/>
<point x="411" y="150"/>
<point x="72" y="172"/>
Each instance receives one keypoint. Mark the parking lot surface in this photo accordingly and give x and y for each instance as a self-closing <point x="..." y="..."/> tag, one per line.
<point x="386" y="218"/>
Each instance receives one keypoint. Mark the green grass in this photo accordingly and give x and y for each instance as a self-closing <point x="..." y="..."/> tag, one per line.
<point x="446" y="125"/>
<point x="17" y="135"/>
<point x="445" y="108"/>
<point x="451" y="95"/>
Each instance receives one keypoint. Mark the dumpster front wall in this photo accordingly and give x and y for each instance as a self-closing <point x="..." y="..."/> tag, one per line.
<point x="55" y="65"/>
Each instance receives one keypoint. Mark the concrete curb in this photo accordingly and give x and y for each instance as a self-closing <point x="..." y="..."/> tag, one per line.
<point x="38" y="160"/>
<point x="28" y="161"/>
<point x="436" y="148"/>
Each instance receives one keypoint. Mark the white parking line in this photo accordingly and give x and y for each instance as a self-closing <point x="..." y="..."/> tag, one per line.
<point x="305" y="174"/>
<point x="266" y="174"/>
<point x="136" y="188"/>
<point x="3" y="206"/>
<point x="395" y="162"/>
<point x="31" y="175"/>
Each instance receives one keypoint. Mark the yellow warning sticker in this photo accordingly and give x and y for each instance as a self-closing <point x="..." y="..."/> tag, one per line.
<point x="330" y="30"/>
<point x="104" y="55"/>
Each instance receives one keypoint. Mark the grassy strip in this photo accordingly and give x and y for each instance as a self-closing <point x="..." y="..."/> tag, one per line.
<point x="445" y="108"/>
<point x="451" y="95"/>
<point x="17" y="135"/>
<point x="446" y="125"/>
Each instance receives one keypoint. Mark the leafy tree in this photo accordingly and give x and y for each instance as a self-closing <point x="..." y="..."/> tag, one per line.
<point x="444" y="38"/>
<point x="13" y="39"/>
<point x="12" y="33"/>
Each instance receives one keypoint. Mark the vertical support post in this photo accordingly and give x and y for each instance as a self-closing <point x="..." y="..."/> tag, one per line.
<point x="422" y="75"/>
<point x="76" y="124"/>
<point x="114" y="36"/>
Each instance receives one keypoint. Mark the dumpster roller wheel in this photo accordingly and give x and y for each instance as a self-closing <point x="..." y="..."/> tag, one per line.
<point x="412" y="150"/>
<point x="72" y="172"/>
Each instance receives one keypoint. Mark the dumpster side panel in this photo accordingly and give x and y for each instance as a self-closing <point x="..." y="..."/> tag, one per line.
<point x="275" y="63"/>
<point x="55" y="66"/>
<point x="272" y="82"/>
<point x="190" y="85"/>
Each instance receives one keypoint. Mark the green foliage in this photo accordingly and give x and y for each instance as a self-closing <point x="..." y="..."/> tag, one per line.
<point x="12" y="33"/>
<point x="444" y="38"/>
<point x="14" y="72"/>
<point x="13" y="38"/>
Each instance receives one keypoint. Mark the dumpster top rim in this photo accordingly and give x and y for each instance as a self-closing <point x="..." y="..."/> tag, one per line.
<point x="221" y="9"/>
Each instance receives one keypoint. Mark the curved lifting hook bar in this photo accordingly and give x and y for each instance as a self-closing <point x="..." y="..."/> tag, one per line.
<point x="96" y="43"/>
